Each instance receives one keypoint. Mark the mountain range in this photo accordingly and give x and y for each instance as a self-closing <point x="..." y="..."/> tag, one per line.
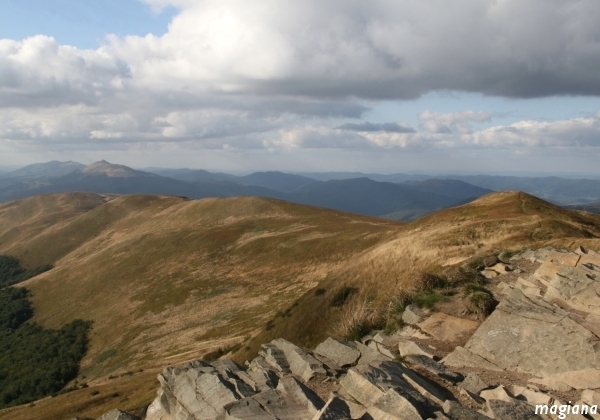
<point x="360" y="195"/>
<point x="396" y="196"/>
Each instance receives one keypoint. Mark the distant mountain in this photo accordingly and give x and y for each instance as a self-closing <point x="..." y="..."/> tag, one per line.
<point x="328" y="176"/>
<point x="590" y="207"/>
<point x="104" y="177"/>
<point x="277" y="181"/>
<point x="558" y="190"/>
<point x="202" y="175"/>
<point x="169" y="173"/>
<point x="44" y="170"/>
<point x="359" y="195"/>
<point x="365" y="196"/>
<point x="454" y="189"/>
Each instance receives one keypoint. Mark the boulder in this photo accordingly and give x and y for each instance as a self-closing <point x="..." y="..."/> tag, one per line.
<point x="447" y="328"/>
<point x="338" y="351"/>
<point x="457" y="411"/>
<point x="426" y="388"/>
<point x="489" y="274"/>
<point x="281" y="407"/>
<point x="511" y="410"/>
<point x="286" y="357"/>
<point x="335" y="409"/>
<point x="501" y="268"/>
<point x="473" y="383"/>
<point x="369" y="355"/>
<point x="395" y="405"/>
<point x="531" y="396"/>
<point x="532" y="336"/>
<point x="367" y="383"/>
<point x="246" y="409"/>
<point x="295" y="391"/>
<point x="434" y="368"/>
<point x="413" y="315"/>
<point x="498" y="393"/>
<point x="382" y="349"/>
<point x="409" y="347"/>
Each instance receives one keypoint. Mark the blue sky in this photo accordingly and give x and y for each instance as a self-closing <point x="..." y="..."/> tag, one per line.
<point x="434" y="86"/>
<point x="83" y="24"/>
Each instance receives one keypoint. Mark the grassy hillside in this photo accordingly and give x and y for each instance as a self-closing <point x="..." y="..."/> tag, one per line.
<point x="499" y="221"/>
<point x="167" y="279"/>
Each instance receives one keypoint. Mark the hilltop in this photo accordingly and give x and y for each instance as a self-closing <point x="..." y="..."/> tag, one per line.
<point x="167" y="279"/>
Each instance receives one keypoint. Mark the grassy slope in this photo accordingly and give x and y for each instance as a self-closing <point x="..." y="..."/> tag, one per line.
<point x="167" y="280"/>
<point x="498" y="221"/>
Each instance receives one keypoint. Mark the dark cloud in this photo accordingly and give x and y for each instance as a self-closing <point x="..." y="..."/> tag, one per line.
<point x="373" y="127"/>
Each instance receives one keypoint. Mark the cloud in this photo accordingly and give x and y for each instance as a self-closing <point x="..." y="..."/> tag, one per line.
<point x="573" y="133"/>
<point x="373" y="127"/>
<point x="380" y="49"/>
<point x="446" y="123"/>
<point x="301" y="74"/>
<point x="39" y="72"/>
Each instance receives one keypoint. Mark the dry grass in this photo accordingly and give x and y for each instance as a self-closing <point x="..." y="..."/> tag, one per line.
<point x="167" y="280"/>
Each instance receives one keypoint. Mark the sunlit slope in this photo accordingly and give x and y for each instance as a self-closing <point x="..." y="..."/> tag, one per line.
<point x="164" y="278"/>
<point x="24" y="223"/>
<point x="498" y="221"/>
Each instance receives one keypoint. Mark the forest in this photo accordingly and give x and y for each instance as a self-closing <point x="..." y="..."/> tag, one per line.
<point x="11" y="271"/>
<point x="35" y="362"/>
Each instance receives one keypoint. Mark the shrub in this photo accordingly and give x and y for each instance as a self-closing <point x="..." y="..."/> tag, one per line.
<point x="358" y="318"/>
<point x="431" y="281"/>
<point x="482" y="303"/>
<point x="427" y="299"/>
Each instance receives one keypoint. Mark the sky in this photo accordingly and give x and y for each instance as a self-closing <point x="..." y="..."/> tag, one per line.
<point x="385" y="86"/>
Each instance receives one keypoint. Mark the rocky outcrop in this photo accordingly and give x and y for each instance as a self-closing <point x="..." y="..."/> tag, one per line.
<point x="545" y="329"/>
<point x="546" y="325"/>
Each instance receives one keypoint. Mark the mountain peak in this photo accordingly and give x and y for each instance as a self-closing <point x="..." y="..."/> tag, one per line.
<point x="111" y="170"/>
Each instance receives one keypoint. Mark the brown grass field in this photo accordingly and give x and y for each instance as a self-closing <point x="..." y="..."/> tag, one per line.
<point x="166" y="280"/>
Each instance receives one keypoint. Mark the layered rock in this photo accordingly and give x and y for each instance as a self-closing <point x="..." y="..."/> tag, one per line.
<point x="546" y="326"/>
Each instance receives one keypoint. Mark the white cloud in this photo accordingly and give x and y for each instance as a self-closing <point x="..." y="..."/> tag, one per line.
<point x="296" y="75"/>
<point x="446" y="123"/>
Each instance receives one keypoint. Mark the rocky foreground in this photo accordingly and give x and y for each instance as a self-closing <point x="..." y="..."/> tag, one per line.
<point x="540" y="346"/>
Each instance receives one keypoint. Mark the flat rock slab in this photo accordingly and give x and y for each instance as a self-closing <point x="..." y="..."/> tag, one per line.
<point x="578" y="287"/>
<point x="338" y="351"/>
<point x="289" y="358"/>
<point x="394" y="405"/>
<point x="335" y="409"/>
<point x="457" y="411"/>
<point x="473" y="383"/>
<point x="513" y="410"/>
<point x="434" y="367"/>
<point x="369" y="355"/>
<point x="461" y="357"/>
<point x="533" y="337"/>
<point x="579" y="379"/>
<point x="409" y="347"/>
<point x="447" y="328"/>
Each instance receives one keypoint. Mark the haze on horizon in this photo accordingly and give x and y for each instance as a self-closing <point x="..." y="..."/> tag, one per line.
<point x="469" y="86"/>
